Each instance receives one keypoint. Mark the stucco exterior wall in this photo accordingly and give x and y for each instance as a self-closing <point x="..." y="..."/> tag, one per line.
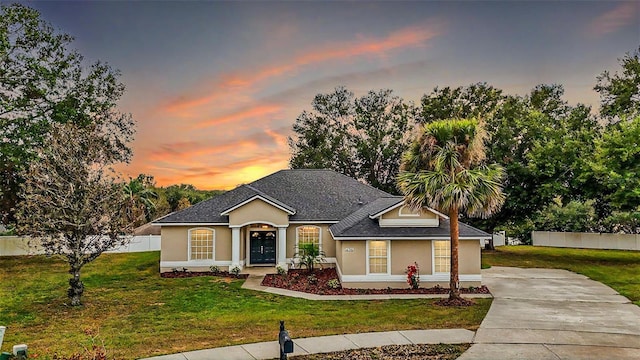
<point x="258" y="211"/>
<point x="328" y="244"/>
<point x="406" y="252"/>
<point x="354" y="253"/>
<point x="469" y="257"/>
<point x="353" y="259"/>
<point x="175" y="246"/>
<point x="395" y="214"/>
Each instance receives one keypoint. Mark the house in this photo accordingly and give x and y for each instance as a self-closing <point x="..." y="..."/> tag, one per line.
<point x="367" y="234"/>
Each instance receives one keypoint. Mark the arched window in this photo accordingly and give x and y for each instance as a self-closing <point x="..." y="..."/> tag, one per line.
<point x="308" y="234"/>
<point x="201" y="244"/>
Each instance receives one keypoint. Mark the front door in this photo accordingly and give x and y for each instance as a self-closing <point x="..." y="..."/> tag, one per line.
<point x="263" y="247"/>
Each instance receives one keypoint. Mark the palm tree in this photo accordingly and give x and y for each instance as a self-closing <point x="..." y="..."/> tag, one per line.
<point x="444" y="169"/>
<point x="139" y="191"/>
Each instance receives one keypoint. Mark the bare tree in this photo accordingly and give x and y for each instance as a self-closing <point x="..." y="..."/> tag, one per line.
<point x="73" y="201"/>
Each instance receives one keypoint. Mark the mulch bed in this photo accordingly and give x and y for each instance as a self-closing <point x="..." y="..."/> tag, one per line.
<point x="393" y="352"/>
<point x="317" y="283"/>
<point x="188" y="274"/>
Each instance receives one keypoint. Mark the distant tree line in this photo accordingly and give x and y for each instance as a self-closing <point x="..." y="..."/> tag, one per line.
<point x="156" y="201"/>
<point x="567" y="167"/>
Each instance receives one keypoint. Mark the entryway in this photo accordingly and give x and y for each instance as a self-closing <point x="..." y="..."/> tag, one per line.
<point x="262" y="245"/>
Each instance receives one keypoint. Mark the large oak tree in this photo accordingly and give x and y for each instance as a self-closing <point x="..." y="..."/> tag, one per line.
<point x="360" y="137"/>
<point x="43" y="81"/>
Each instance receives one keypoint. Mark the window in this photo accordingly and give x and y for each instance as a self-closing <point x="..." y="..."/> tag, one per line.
<point x="201" y="244"/>
<point x="308" y="235"/>
<point x="378" y="257"/>
<point x="441" y="256"/>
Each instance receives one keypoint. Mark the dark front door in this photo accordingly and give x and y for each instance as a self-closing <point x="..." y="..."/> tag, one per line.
<point x="263" y="247"/>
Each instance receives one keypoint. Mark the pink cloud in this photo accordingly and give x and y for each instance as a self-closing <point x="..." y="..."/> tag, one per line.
<point x="259" y="111"/>
<point x="408" y="37"/>
<point x="620" y="16"/>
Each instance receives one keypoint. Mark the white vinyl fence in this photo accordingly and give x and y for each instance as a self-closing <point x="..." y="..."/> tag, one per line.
<point x="586" y="240"/>
<point x="15" y="245"/>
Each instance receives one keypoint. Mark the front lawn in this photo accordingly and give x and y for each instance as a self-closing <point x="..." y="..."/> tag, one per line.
<point x="136" y="313"/>
<point x="618" y="269"/>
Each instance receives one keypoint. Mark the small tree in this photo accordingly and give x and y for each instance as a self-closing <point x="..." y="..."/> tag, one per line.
<point x="73" y="204"/>
<point x="309" y="255"/>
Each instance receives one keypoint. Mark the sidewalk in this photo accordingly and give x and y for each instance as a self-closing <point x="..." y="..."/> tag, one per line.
<point x="253" y="283"/>
<point x="323" y="344"/>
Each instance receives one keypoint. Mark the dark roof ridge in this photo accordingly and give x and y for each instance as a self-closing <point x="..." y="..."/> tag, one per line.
<point x="270" y="198"/>
<point x="386" y="194"/>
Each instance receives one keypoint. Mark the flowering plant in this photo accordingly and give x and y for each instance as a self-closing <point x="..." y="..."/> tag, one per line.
<point x="413" y="275"/>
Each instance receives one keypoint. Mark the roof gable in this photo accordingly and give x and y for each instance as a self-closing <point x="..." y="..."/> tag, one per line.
<point x="400" y="204"/>
<point x="267" y="200"/>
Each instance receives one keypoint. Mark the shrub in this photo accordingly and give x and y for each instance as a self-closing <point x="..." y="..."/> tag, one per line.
<point x="309" y="255"/>
<point x="235" y="270"/>
<point x="312" y="279"/>
<point x="333" y="284"/>
<point x="214" y="269"/>
<point x="281" y="270"/>
<point x="413" y="275"/>
<point x="575" y="216"/>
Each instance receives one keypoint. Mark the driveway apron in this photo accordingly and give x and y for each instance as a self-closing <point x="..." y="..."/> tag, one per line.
<point x="554" y="314"/>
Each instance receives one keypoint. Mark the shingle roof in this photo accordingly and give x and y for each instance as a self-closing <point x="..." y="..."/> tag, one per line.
<point x="315" y="195"/>
<point x="360" y="225"/>
<point x="364" y="212"/>
<point x="208" y="211"/>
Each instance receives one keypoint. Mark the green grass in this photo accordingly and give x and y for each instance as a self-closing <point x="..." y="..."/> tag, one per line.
<point x="618" y="269"/>
<point x="136" y="313"/>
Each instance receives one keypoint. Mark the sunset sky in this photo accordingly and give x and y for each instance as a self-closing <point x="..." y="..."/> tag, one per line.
<point x="215" y="87"/>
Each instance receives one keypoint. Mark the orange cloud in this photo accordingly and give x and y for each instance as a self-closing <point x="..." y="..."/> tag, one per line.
<point x="196" y="157"/>
<point x="620" y="16"/>
<point x="409" y="37"/>
<point x="279" y="139"/>
<point x="255" y="112"/>
<point x="167" y="153"/>
<point x="225" y="176"/>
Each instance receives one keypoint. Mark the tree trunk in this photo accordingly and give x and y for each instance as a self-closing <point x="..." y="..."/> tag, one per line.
<point x="454" y="283"/>
<point x="76" y="288"/>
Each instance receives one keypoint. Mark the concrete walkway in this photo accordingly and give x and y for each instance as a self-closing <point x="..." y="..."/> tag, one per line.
<point x="554" y="314"/>
<point x="323" y="344"/>
<point x="254" y="282"/>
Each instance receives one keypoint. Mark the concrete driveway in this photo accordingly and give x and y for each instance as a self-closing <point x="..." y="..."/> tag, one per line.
<point x="554" y="314"/>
